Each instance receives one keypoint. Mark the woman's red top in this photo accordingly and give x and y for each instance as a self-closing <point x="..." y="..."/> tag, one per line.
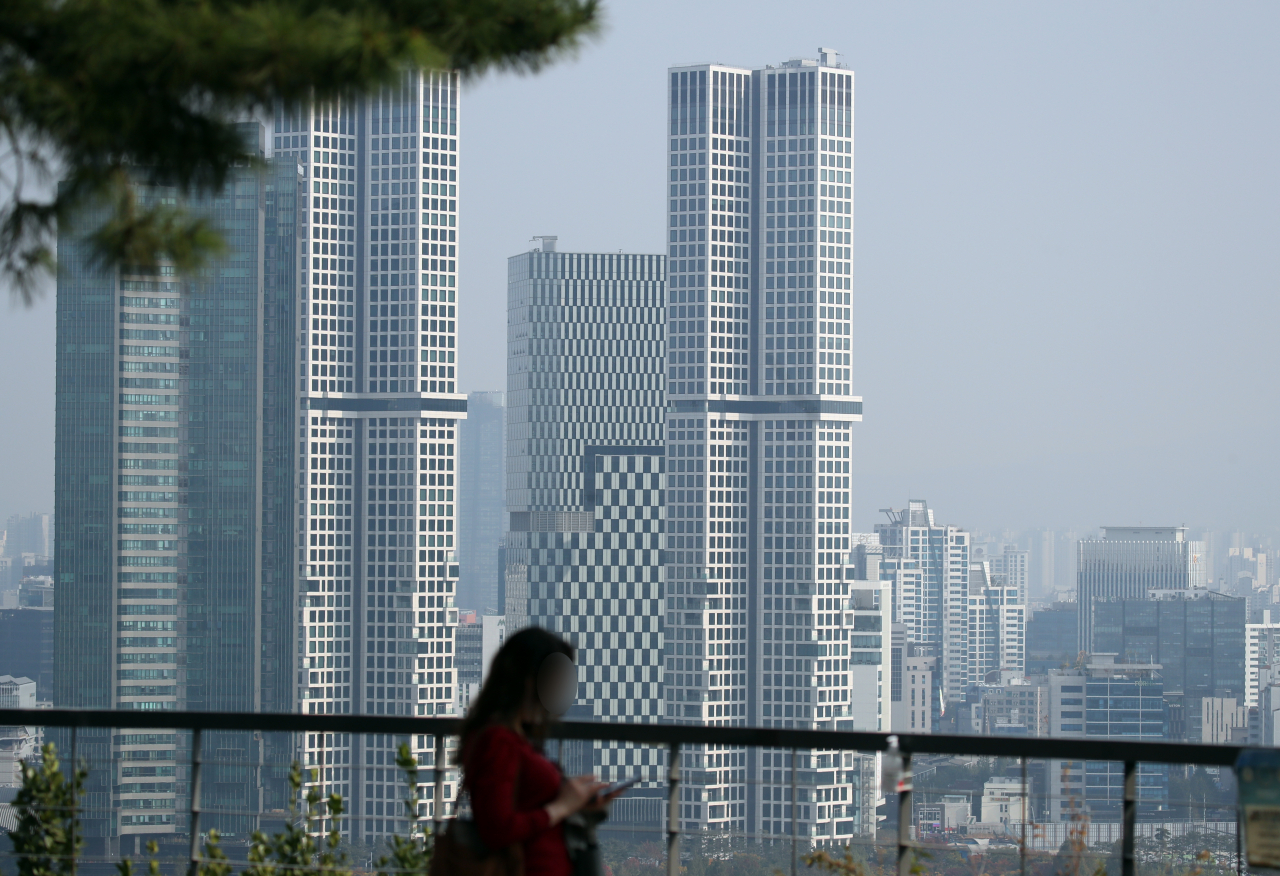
<point x="510" y="783"/>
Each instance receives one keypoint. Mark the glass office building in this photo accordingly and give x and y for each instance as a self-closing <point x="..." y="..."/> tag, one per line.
<point x="173" y="478"/>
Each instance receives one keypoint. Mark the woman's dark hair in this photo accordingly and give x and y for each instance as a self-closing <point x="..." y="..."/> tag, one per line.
<point x="516" y="663"/>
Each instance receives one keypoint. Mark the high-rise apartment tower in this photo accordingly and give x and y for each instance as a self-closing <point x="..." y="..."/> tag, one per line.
<point x="759" y="234"/>
<point x="377" y="423"/>
<point x="930" y="562"/>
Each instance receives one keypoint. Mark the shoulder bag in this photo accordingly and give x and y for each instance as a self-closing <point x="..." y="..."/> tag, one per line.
<point x="459" y="851"/>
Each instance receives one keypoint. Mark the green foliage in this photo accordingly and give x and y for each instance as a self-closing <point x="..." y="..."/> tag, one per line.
<point x="125" y="867"/>
<point x="214" y="861"/>
<point x="47" y="839"/>
<point x="847" y="864"/>
<point x="411" y="854"/>
<point x="295" y="848"/>
<point x="99" y="93"/>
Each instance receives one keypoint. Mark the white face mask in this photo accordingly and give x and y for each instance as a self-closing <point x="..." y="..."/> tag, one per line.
<point x="557" y="683"/>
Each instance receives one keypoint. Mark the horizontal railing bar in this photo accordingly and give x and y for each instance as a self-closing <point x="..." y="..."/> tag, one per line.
<point x="652" y="734"/>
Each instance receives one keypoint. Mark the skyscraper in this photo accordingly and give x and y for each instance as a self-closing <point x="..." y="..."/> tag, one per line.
<point x="173" y="477"/>
<point x="378" y="422"/>
<point x="585" y="476"/>
<point x="759" y="235"/>
<point x="1128" y="561"/>
<point x="482" y="508"/>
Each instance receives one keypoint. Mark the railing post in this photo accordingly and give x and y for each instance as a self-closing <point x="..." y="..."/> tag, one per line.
<point x="437" y="795"/>
<point x="1127" y="867"/>
<point x="904" y="818"/>
<point x="196" y="756"/>
<point x="673" y="809"/>
<point x="1026" y="808"/>
<point x="795" y="807"/>
<point x="1239" y="847"/>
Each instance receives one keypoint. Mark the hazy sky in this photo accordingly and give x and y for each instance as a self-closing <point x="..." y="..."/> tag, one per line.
<point x="1065" y="243"/>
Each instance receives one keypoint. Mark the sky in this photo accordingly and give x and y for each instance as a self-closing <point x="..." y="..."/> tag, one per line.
<point x="1066" y="215"/>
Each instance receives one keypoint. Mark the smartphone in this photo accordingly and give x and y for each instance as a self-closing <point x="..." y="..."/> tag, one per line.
<point x="619" y="786"/>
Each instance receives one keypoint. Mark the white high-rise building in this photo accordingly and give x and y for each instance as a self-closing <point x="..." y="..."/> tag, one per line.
<point x="939" y="560"/>
<point x="760" y="408"/>
<point x="377" y="424"/>
<point x="1261" y="655"/>
<point x="997" y="643"/>
<point x="911" y="686"/>
<point x="1013" y="566"/>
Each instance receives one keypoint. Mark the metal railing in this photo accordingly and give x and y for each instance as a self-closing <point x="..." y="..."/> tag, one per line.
<point x="672" y="737"/>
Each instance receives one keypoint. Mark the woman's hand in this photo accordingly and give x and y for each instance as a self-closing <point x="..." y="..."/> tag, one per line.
<point x="600" y="802"/>
<point x="575" y="794"/>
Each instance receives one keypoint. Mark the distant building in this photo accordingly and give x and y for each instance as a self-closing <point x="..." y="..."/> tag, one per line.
<point x="1245" y="569"/>
<point x="36" y="592"/>
<point x="997" y="626"/>
<point x="940" y="609"/>
<point x="468" y="642"/>
<point x="29" y="534"/>
<point x="1223" y="721"/>
<point x="24" y="565"/>
<point x="1126" y="701"/>
<point x="1197" y="636"/>
<point x="1262" y="652"/>
<point x="469" y="659"/>
<point x="493" y="635"/>
<point x="1013" y="566"/>
<point x="481" y="500"/>
<point x="478" y="638"/>
<point x="17" y="743"/>
<point x="912" y="695"/>
<point x="1053" y="638"/>
<point x="1128" y="561"/>
<point x="26" y="646"/>
<point x="1043" y="567"/>
<point x="17" y="693"/>
<point x="1002" y="801"/>
<point x="1017" y="708"/>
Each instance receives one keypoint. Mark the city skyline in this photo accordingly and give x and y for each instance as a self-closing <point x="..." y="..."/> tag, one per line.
<point x="956" y="145"/>
<point x="283" y="485"/>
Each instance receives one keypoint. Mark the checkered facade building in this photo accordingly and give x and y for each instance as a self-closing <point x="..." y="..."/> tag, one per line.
<point x="585" y="472"/>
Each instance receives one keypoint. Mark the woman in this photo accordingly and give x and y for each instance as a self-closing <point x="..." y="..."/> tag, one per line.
<point x="517" y="794"/>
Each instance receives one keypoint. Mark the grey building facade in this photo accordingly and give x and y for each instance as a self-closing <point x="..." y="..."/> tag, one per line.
<point x="1197" y="637"/>
<point x="482" y="511"/>
<point x="1130" y="560"/>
